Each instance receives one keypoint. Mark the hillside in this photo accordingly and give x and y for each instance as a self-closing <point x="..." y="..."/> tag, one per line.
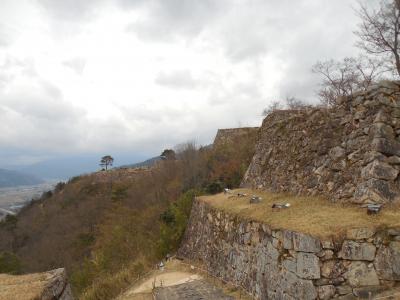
<point x="106" y="228"/>
<point x="10" y="178"/>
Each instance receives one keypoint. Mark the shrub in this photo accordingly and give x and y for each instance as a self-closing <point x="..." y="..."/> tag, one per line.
<point x="174" y="221"/>
<point x="9" y="263"/>
<point x="9" y="222"/>
<point x="214" y="188"/>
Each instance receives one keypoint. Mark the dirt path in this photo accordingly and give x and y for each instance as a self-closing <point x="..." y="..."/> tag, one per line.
<point x="175" y="282"/>
<point x="173" y="274"/>
<point x="164" y="280"/>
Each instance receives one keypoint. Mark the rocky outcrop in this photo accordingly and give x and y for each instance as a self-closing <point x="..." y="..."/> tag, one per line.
<point x="273" y="263"/>
<point x="50" y="285"/>
<point x="350" y="153"/>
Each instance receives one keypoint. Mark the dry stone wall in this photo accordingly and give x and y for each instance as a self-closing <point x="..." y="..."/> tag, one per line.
<point x="284" y="264"/>
<point x="350" y="153"/>
<point x="233" y="135"/>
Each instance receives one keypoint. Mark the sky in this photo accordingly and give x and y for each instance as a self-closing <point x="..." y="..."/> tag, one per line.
<point x="138" y="76"/>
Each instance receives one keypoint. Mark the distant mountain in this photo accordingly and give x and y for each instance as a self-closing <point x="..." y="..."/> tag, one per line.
<point x="147" y="163"/>
<point x="10" y="178"/>
<point x="63" y="168"/>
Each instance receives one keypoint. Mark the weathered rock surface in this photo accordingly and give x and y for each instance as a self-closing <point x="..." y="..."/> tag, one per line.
<point x="360" y="274"/>
<point x="350" y="153"/>
<point x="387" y="262"/>
<point x="357" y="251"/>
<point x="305" y="243"/>
<point x="308" y="266"/>
<point x="284" y="264"/>
<point x="50" y="285"/>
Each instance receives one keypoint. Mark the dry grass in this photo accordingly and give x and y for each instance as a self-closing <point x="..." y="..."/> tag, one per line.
<point x="22" y="287"/>
<point x="312" y="215"/>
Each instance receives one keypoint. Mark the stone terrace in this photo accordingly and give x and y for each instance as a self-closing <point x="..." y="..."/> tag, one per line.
<point x="281" y="255"/>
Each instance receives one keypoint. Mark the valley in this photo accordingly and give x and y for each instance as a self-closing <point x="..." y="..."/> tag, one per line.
<point x="12" y="199"/>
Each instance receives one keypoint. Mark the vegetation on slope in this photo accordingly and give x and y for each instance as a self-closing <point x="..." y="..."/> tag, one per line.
<point x="108" y="228"/>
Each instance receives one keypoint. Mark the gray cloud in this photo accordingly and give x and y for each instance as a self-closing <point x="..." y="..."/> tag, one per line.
<point x="168" y="19"/>
<point x="37" y="117"/>
<point x="70" y="10"/>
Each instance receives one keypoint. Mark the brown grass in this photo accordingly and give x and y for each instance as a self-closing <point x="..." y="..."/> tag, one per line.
<point x="313" y="215"/>
<point x="22" y="287"/>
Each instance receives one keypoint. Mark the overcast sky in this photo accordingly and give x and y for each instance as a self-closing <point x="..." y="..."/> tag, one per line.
<point x="141" y="75"/>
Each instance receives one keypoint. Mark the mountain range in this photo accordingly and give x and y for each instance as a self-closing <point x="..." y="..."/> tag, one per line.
<point x="10" y="178"/>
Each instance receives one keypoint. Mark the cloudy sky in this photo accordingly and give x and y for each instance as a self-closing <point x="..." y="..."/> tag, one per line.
<point x="102" y="76"/>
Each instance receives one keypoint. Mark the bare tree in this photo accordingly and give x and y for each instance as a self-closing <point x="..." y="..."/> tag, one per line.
<point x="379" y="32"/>
<point x="296" y="103"/>
<point x="275" y="105"/>
<point x="342" y="78"/>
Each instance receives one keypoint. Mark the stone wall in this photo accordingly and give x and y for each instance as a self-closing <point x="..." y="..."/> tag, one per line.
<point x="350" y="153"/>
<point x="283" y="264"/>
<point x="233" y="135"/>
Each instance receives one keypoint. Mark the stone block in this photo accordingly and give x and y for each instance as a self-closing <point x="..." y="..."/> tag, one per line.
<point x="379" y="170"/>
<point x="305" y="243"/>
<point x="382" y="117"/>
<point x="386" y="146"/>
<point x="393" y="231"/>
<point x="368" y="292"/>
<point x="325" y="254"/>
<point x="287" y="239"/>
<point x="375" y="191"/>
<point x="337" y="153"/>
<point x="387" y="261"/>
<point x="297" y="288"/>
<point x="328" y="244"/>
<point x="308" y="266"/>
<point x="332" y="269"/>
<point x="357" y="251"/>
<point x="382" y="130"/>
<point x="326" y="292"/>
<point x="359" y="274"/>
<point x="393" y="160"/>
<point x="290" y="265"/>
<point x="344" y="289"/>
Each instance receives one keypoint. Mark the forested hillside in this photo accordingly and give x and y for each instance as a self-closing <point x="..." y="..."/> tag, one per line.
<point x="108" y="227"/>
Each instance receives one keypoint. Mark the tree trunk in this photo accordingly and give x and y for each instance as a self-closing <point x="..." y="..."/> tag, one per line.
<point x="397" y="57"/>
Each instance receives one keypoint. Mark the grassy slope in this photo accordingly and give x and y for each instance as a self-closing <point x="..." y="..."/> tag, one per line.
<point x="313" y="215"/>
